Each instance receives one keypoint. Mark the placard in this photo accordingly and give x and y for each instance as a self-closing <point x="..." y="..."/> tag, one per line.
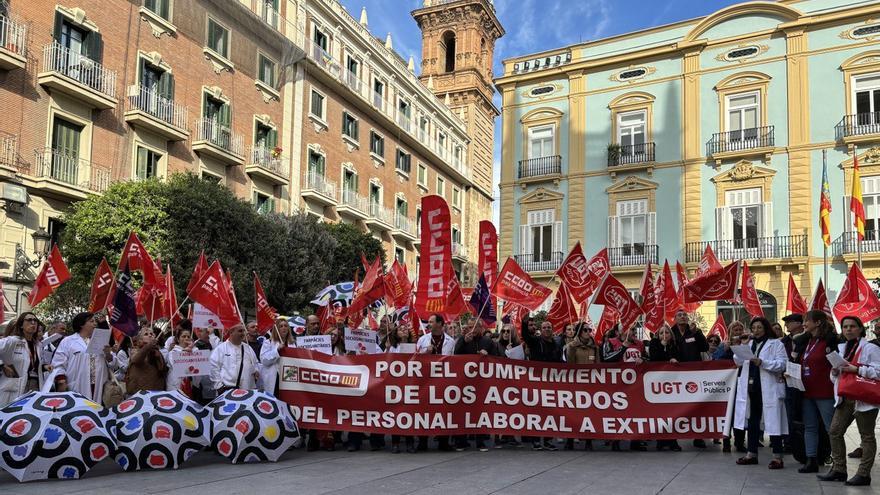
<point x="360" y="341"/>
<point x="194" y="363"/>
<point x="320" y="343"/>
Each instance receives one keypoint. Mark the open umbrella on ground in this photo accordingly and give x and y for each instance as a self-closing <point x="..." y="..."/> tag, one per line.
<point x="52" y="435"/>
<point x="251" y="426"/>
<point x="158" y="430"/>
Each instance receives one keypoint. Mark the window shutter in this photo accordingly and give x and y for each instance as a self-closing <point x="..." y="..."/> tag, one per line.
<point x="354" y="129"/>
<point x="166" y="86"/>
<point x="847" y="214"/>
<point x="225" y="115"/>
<point x="142" y="70"/>
<point x="651" y="235"/>
<point x="261" y="69"/>
<point x="722" y="223"/>
<point x="95" y="46"/>
<point x="767" y="220"/>
<point x="212" y="35"/>
<point x="141" y="166"/>
<point x="525" y="243"/>
<point x="557" y="238"/>
<point x="613" y="223"/>
<point x="205" y="106"/>
<point x="59" y="20"/>
<point x="273" y="139"/>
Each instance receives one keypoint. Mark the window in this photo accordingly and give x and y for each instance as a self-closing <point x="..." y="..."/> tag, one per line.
<point x="217" y="111"/>
<point x="456" y="154"/>
<point x="320" y="39"/>
<point x="749" y="51"/>
<point x="456" y="197"/>
<point x="423" y="128"/>
<point x="401" y="208"/>
<point x="632" y="229"/>
<point x="541" y="142"/>
<point x="632" y="74"/>
<point x="744" y="220"/>
<point x="209" y="177"/>
<point x="349" y="126"/>
<point x="156" y="83"/>
<point x="377" y="144"/>
<point x="400" y="255"/>
<point x="540" y="238"/>
<point x="265" y="138"/>
<point x="743" y="116"/>
<point x="147" y="166"/>
<point x="264" y="204"/>
<point x="441" y="140"/>
<point x="449" y="46"/>
<point x="379" y="94"/>
<point x="422" y="178"/>
<point x="418" y="222"/>
<point x="404" y="111"/>
<point x="352" y="65"/>
<point x="79" y="43"/>
<point x="403" y="161"/>
<point x="316" y="163"/>
<point x="456" y="236"/>
<point x="159" y="7"/>
<point x="542" y="90"/>
<point x="56" y="228"/>
<point x="871" y="199"/>
<point x="441" y="186"/>
<point x="631" y="132"/>
<point x="375" y="195"/>
<point x="350" y="181"/>
<point x="866" y="31"/>
<point x="218" y="38"/>
<point x="266" y="71"/>
<point x="64" y="165"/>
<point x="867" y="98"/>
<point x="317" y="106"/>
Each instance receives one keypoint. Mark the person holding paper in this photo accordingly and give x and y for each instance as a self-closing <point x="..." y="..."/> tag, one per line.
<point x="20" y="358"/>
<point x="436" y="342"/>
<point x="862" y="359"/>
<point x="279" y="338"/>
<point x="147" y="370"/>
<point x="734" y="337"/>
<point x="77" y="371"/>
<point x="183" y="342"/>
<point x="234" y="363"/>
<point x="203" y="387"/>
<point x="760" y="398"/>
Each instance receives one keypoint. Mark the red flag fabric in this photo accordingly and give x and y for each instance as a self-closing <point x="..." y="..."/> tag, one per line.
<point x="582" y="276"/>
<point x="138" y="259"/>
<point x="719" y="328"/>
<point x="488" y="258"/>
<point x="563" y="311"/>
<point x="171" y="299"/>
<point x="514" y="285"/>
<point x="719" y="286"/>
<point x="455" y="303"/>
<point x="749" y="295"/>
<point x="52" y="275"/>
<point x="857" y="298"/>
<point x="397" y="286"/>
<point x="102" y="287"/>
<point x="671" y="303"/>
<point x="266" y="314"/>
<point x="150" y="302"/>
<point x="370" y="291"/>
<point x="515" y="313"/>
<point x="198" y="271"/>
<point x="820" y="300"/>
<point x="708" y="263"/>
<point x="212" y="292"/>
<point x="606" y="322"/>
<point x="435" y="270"/>
<point x="794" y="303"/>
<point x="613" y="293"/>
<point x="681" y="274"/>
<point x="653" y="312"/>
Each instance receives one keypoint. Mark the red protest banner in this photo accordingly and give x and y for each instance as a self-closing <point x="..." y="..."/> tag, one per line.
<point x="102" y="288"/>
<point x="444" y="395"/>
<point x="488" y="261"/>
<point x="515" y="286"/>
<point x="435" y="270"/>
<point x="53" y="274"/>
<point x="582" y="276"/>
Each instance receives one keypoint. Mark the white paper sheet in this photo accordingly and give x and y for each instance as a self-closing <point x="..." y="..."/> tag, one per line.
<point x="516" y="352"/>
<point x="836" y="360"/>
<point x="406" y="348"/>
<point x="743" y="352"/>
<point x="100" y="339"/>
<point x="793" y="376"/>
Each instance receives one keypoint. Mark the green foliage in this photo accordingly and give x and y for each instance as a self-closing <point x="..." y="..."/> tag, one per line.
<point x="351" y="242"/>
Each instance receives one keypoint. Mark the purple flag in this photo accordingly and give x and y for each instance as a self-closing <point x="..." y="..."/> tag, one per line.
<point x="481" y="301"/>
<point x="124" y="315"/>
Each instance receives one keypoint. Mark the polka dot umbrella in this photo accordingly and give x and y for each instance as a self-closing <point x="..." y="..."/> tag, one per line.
<point x="52" y="436"/>
<point x="251" y="426"/>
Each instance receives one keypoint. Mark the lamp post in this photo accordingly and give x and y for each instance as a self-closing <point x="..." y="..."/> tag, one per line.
<point x="23" y="263"/>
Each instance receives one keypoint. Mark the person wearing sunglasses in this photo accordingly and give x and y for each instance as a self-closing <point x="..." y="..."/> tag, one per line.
<point x="20" y="355"/>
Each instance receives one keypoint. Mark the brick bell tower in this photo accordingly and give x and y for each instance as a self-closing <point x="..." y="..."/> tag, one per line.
<point x="458" y="43"/>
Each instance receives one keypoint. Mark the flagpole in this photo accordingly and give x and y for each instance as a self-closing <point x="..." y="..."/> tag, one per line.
<point x="858" y="234"/>
<point x="824" y="246"/>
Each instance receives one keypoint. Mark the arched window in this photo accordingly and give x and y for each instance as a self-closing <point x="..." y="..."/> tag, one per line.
<point x="449" y="45"/>
<point x="733" y="311"/>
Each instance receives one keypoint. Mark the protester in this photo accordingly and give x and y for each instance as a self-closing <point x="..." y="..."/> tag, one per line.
<point x="147" y="370"/>
<point x="566" y="337"/>
<point x="664" y="349"/>
<point x="505" y="340"/>
<point x="280" y="337"/>
<point x="183" y="342"/>
<point x="612" y="346"/>
<point x="734" y="333"/>
<point x="714" y="342"/>
<point x="123" y="350"/>
<point x="863" y="359"/>
<point x="581" y="350"/>
<point x="436" y="342"/>
<point x="473" y="342"/>
<point x="233" y="363"/>
<point x="760" y="396"/>
<point x="337" y="342"/>
<point x="403" y="335"/>
<point x="203" y="387"/>
<point x="313" y="326"/>
<point x="77" y="371"/>
<point x="543" y="348"/>
<point x="20" y="358"/>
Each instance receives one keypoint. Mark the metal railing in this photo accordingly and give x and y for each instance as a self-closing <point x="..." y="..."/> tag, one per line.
<point x="848" y="242"/>
<point x="751" y="248"/>
<point x="80" y="68"/>
<point x="8" y="150"/>
<point x="13" y="36"/>
<point x="149" y="102"/>
<point x="265" y="10"/>
<point x="64" y="167"/>
<point x="631" y="154"/>
<point x="355" y="201"/>
<point x="458" y="250"/>
<point x="320" y="184"/>
<point x="220" y="136"/>
<point x="404" y="224"/>
<point x="540" y="262"/>
<point x="859" y="124"/>
<point x="352" y="80"/>
<point x="404" y="121"/>
<point x="537" y="167"/>
<point x="321" y="57"/>
<point x="634" y="255"/>
<point x="381" y="214"/>
<point x="745" y="139"/>
<point x="266" y="158"/>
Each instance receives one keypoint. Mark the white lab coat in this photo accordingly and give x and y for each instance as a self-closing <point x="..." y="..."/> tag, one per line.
<point x="425" y="341"/>
<point x="226" y="359"/>
<point x="122" y="359"/>
<point x="271" y="365"/>
<point x="14" y="351"/>
<point x="869" y="367"/>
<point x="71" y="360"/>
<point x="773" y="360"/>
<point x="172" y="382"/>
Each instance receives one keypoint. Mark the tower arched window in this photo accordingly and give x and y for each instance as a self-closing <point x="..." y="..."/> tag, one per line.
<point x="449" y="45"/>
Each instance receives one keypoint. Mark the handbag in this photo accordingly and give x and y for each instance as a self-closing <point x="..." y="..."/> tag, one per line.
<point x="855" y="387"/>
<point x="113" y="392"/>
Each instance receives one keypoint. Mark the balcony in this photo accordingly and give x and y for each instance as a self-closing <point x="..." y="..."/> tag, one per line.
<point x="543" y="262"/>
<point x="8" y="151"/>
<point x="752" y="248"/>
<point x="146" y="109"/>
<point x="380" y="217"/>
<point x="265" y="10"/>
<point x="353" y="82"/>
<point x="318" y="189"/>
<point x="219" y="142"/>
<point x="323" y="59"/>
<point x="758" y="141"/>
<point x="404" y="229"/>
<point x="545" y="166"/>
<point x="459" y="253"/>
<point x="353" y="205"/>
<point x="78" y="76"/>
<point x="847" y="243"/>
<point x="858" y="128"/>
<point x="13" y="44"/>
<point x="62" y="175"/>
<point x="269" y="165"/>
<point x="630" y="154"/>
<point x="633" y="255"/>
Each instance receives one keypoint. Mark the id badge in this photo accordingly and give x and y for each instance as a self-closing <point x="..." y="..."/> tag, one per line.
<point x="806" y="371"/>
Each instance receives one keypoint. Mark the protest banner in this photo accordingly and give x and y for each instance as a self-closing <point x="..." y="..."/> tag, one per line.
<point x="361" y="341"/>
<point x="444" y="395"/>
<point x="204" y="318"/>
<point x="319" y="343"/>
<point x="194" y="363"/>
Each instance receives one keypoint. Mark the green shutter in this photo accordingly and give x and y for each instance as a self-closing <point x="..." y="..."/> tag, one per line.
<point x="141" y="70"/>
<point x="225" y="115"/>
<point x="273" y="139"/>
<point x="94" y="46"/>
<point x="59" y="20"/>
<point x="212" y="35"/>
<point x="166" y="86"/>
<point x="142" y="166"/>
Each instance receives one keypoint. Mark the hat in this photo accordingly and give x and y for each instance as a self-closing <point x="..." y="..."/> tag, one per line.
<point x="797" y="318"/>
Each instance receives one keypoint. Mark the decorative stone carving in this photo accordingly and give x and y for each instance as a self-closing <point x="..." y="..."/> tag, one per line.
<point x="743" y="170"/>
<point x="872" y="155"/>
<point x="849" y="34"/>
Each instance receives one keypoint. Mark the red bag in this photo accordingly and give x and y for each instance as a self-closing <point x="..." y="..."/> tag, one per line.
<point x="855" y="387"/>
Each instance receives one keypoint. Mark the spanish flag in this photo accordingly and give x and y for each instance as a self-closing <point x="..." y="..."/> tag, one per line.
<point x="825" y="207"/>
<point x="855" y="203"/>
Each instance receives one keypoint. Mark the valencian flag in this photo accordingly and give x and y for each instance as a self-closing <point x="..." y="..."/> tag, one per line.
<point x="749" y="294"/>
<point x="562" y="312"/>
<point x="825" y="207"/>
<point x="266" y="314"/>
<point x="794" y="303"/>
<point x="516" y="286"/>
<point x="582" y="276"/>
<point x="102" y="287"/>
<point x="481" y="301"/>
<point x="719" y="328"/>
<point x="855" y="202"/>
<point x="53" y="274"/>
<point x="435" y="282"/>
<point x="857" y="298"/>
<point x="820" y="300"/>
<point x="124" y="316"/>
<point x="720" y="286"/>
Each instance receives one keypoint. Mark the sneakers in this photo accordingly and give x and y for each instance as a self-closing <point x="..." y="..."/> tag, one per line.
<point x="482" y="447"/>
<point x="537" y="446"/>
<point x="747" y="461"/>
<point x="549" y="446"/>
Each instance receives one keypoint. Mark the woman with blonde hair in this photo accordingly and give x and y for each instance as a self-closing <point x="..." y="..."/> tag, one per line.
<point x="20" y="358"/>
<point x="279" y="337"/>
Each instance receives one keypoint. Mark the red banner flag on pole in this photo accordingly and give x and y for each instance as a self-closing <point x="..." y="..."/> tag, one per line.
<point x="53" y="274"/>
<point x="607" y="321"/>
<point x="435" y="270"/>
<point x="794" y="303"/>
<point x="749" y="295"/>
<point x="613" y="293"/>
<point x="201" y="268"/>
<point x="682" y="281"/>
<point x="653" y="312"/>
<point x="266" y="314"/>
<point x="171" y="299"/>
<point x="135" y="254"/>
<point x="709" y="264"/>
<point x="514" y="285"/>
<point x="488" y="260"/>
<point x="857" y="298"/>
<point x="671" y="303"/>
<point x="397" y="286"/>
<point x="102" y="287"/>
<point x="720" y="286"/>
<point x="820" y="300"/>
<point x="582" y="276"/>
<point x="212" y="292"/>
<point x="369" y="292"/>
<point x="719" y="328"/>
<point x="562" y="311"/>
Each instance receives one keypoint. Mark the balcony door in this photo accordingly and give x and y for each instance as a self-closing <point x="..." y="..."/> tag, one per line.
<point x="217" y="117"/>
<point x="745" y="225"/>
<point x="631" y="233"/>
<point x="867" y="99"/>
<point x="541" y="142"/>
<point x="631" y="133"/>
<point x="871" y="200"/>
<point x="743" y="117"/>
<point x="540" y="239"/>
<point x="65" y="151"/>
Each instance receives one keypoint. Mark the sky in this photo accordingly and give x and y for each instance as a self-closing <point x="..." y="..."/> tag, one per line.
<point x="536" y="25"/>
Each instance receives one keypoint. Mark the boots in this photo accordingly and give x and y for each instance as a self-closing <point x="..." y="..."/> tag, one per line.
<point x="811" y="466"/>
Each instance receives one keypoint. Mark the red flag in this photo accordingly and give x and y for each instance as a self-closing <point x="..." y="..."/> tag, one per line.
<point x="563" y="311"/>
<point x="857" y="298"/>
<point x="515" y="313"/>
<point x="397" y="286"/>
<point x="682" y="281"/>
<point x="212" y="292"/>
<point x="671" y="303"/>
<point x="234" y="300"/>
<point x="794" y="303"/>
<point x="102" y="287"/>
<point x="488" y="260"/>
<point x="708" y="263"/>
<point x="647" y="284"/>
<point x="582" y="276"/>
<point x="820" y="300"/>
<point x="613" y="293"/>
<point x="749" y="295"/>
<point x="370" y="291"/>
<point x="53" y="274"/>
<point x="719" y="328"/>
<point x="138" y="259"/>
<point x="720" y="286"/>
<point x="201" y="268"/>
<point x="455" y="303"/>
<point x="653" y="312"/>
<point x="606" y="322"/>
<point x="435" y="269"/>
<point x="171" y="299"/>
<point x="266" y="314"/>
<point x="516" y="286"/>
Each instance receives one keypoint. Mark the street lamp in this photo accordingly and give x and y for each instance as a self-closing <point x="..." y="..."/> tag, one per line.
<point x="42" y="240"/>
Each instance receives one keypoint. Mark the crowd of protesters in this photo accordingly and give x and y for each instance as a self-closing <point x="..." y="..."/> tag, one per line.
<point x="808" y="424"/>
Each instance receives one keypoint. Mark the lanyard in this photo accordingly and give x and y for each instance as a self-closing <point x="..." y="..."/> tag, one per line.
<point x="809" y="350"/>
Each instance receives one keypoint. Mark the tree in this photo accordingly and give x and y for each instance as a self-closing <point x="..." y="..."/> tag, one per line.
<point x="351" y="242"/>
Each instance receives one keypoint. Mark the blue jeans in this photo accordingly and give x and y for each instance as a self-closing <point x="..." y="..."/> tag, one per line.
<point x="813" y="409"/>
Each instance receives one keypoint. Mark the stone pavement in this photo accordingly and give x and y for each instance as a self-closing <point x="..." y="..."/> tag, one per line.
<point x="507" y="471"/>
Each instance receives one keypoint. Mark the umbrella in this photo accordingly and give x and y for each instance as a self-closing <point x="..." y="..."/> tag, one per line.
<point x="53" y="435"/>
<point x="343" y="291"/>
<point x="251" y="426"/>
<point x="157" y="430"/>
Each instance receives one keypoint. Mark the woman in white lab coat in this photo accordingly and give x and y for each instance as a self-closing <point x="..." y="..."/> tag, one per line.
<point x="76" y="371"/>
<point x="760" y="398"/>
<point x="279" y="338"/>
<point x="182" y="342"/>
<point x="21" y="369"/>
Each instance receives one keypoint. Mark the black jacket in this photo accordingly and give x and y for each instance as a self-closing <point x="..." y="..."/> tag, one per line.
<point x="540" y="349"/>
<point x="659" y="352"/>
<point x="690" y="344"/>
<point x="475" y="346"/>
